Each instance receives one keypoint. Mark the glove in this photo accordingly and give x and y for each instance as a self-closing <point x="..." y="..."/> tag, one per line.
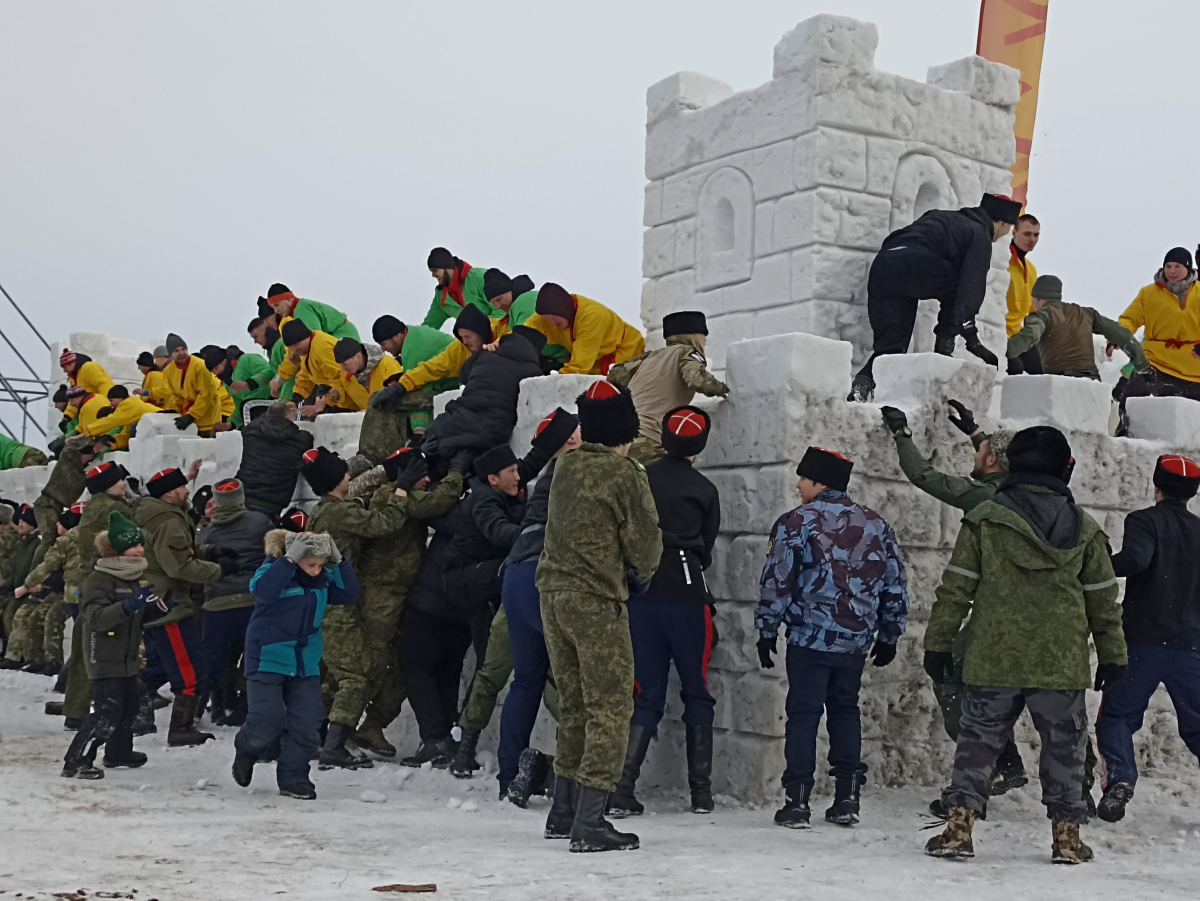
<point x="965" y="421"/>
<point x="939" y="665"/>
<point x="971" y="336"/>
<point x="229" y="566"/>
<point x="413" y="469"/>
<point x="766" y="647"/>
<point x="133" y="604"/>
<point x="165" y="604"/>
<point x="1015" y="366"/>
<point x="461" y="461"/>
<point x="182" y="422"/>
<point x="389" y="398"/>
<point x="882" y="653"/>
<point x="1107" y="674"/>
<point x="895" y="420"/>
<point x="312" y="544"/>
<point x="636" y="588"/>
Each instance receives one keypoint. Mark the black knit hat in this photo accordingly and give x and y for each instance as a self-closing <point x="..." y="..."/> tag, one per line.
<point x="212" y="356"/>
<point x="553" y="300"/>
<point x="1177" y="477"/>
<point x="553" y="431"/>
<point x="145" y="358"/>
<point x="1040" y="449"/>
<point x="386" y="327"/>
<point x="491" y="463"/>
<point x="294" y="331"/>
<point x="60" y="395"/>
<point x="607" y="415"/>
<point x="276" y="290"/>
<point x="825" y="467"/>
<point x="474" y="320"/>
<point x="496" y="283"/>
<point x="685" y="431"/>
<point x="1178" y="255"/>
<point x="441" y="258"/>
<point x="103" y="476"/>
<point x="323" y="470"/>
<point x="27" y="516"/>
<point x="118" y="391"/>
<point x="1001" y="208"/>
<point x="533" y="336"/>
<point x="688" y="322"/>
<point x="165" y="480"/>
<point x="346" y="348"/>
<point x="233" y="353"/>
<point x="264" y="308"/>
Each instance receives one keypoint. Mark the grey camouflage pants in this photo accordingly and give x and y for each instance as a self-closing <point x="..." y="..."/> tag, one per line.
<point x="988" y="717"/>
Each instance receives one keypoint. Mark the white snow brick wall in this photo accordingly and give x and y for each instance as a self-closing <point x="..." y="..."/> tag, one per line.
<point x="118" y="356"/>
<point x="765" y="207"/>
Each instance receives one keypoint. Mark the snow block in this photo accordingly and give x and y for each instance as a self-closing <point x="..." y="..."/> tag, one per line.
<point x="992" y="83"/>
<point x="1173" y="420"/>
<point x="1068" y="404"/>
<point x="909" y="381"/>
<point x="835" y="40"/>
<point x="818" y="368"/>
<point x="683" y="92"/>
<point x="155" y="425"/>
<point x="539" y="398"/>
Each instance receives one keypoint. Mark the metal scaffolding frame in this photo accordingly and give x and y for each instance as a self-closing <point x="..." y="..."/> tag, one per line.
<point x="23" y="390"/>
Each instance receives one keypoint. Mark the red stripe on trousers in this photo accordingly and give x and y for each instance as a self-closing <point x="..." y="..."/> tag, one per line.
<point x="708" y="636"/>
<point x="182" y="660"/>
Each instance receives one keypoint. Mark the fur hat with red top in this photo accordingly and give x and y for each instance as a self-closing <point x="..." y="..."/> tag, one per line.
<point x="555" y="430"/>
<point x="1177" y="477"/>
<point x="27" y="516"/>
<point x="103" y="476"/>
<point x="607" y="415"/>
<point x="229" y="494"/>
<point x="166" y="480"/>
<point x="825" y="467"/>
<point x="685" y="431"/>
<point x="70" y="517"/>
<point x="294" y="520"/>
<point x="323" y="470"/>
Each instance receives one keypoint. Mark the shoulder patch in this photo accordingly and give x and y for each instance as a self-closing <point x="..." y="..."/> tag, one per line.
<point x="698" y="357"/>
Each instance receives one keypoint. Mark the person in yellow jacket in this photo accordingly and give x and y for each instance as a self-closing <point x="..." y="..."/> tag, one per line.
<point x="365" y="370"/>
<point x="85" y="407"/>
<point x="1169" y="311"/>
<point x="194" y="392"/>
<point x="154" y="386"/>
<point x="1021" y="276"/>
<point x="318" y="366"/>
<point x="595" y="336"/>
<point x="85" y="372"/>
<point x="126" y="413"/>
<point x="446" y="364"/>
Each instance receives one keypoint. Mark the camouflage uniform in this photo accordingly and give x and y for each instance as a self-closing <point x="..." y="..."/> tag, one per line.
<point x="67" y="482"/>
<point x="63" y="555"/>
<point x="602" y="523"/>
<point x="386" y="431"/>
<point x="17" y="611"/>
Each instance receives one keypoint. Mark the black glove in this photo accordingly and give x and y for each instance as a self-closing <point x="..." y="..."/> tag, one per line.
<point x="462" y="460"/>
<point x="1107" y="674"/>
<point x="414" y="468"/>
<point x="389" y="398"/>
<point x="766" y="647"/>
<point x="218" y="554"/>
<point x="229" y="565"/>
<point x="1015" y="366"/>
<point x="182" y="422"/>
<point x="895" y="420"/>
<point x="971" y="336"/>
<point x="939" y="665"/>
<point x="883" y="653"/>
<point x="636" y="588"/>
<point x="965" y="421"/>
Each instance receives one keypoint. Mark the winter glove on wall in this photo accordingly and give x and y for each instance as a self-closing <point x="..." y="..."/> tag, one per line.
<point x="895" y="420"/>
<point x="971" y="335"/>
<point x="389" y="398"/>
<point x="965" y="421"/>
<point x="182" y="422"/>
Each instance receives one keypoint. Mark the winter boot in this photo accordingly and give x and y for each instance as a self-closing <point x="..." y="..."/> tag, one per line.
<point x="465" y="764"/>
<point x="370" y="737"/>
<point x="11" y="664"/>
<point x="1111" y="808"/>
<point x="83" y="771"/>
<point x="304" y="791"/>
<point x="699" y="764"/>
<point x="862" y="389"/>
<point x="60" y="684"/>
<point x="54" y="708"/>
<point x="71" y="724"/>
<point x="795" y="812"/>
<point x="81" y="757"/>
<point x="144" y="724"/>
<point x="182" y="732"/>
<point x="844" y="810"/>
<point x="243" y="768"/>
<point x="1009" y="772"/>
<point x="622" y="803"/>
<point x="440" y="752"/>
<point x="533" y="768"/>
<point x="562" y="808"/>
<point x="590" y="831"/>
<point x="132" y="761"/>
<point x="334" y="753"/>
<point x="1068" y="847"/>
<point x="158" y="702"/>
<point x="956" y="840"/>
<point x="944" y="345"/>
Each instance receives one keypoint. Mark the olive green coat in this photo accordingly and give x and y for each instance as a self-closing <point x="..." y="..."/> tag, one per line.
<point x="171" y="555"/>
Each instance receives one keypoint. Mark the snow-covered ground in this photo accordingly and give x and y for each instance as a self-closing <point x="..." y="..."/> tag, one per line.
<point x="180" y="829"/>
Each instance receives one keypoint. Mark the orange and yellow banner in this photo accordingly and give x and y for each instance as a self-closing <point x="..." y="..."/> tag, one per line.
<point x="1013" y="32"/>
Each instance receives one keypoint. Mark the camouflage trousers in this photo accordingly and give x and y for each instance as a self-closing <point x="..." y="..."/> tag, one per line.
<point x="8" y="612"/>
<point x="360" y="661"/>
<point x="46" y="511"/>
<point x="33" y="457"/>
<point x="77" y="702"/>
<point x="55" y="623"/>
<point x="988" y="717"/>
<point x="591" y="656"/>
<point x="646" y="450"/>
<point x="381" y="611"/>
<point x="489" y="680"/>
<point x="26" y="638"/>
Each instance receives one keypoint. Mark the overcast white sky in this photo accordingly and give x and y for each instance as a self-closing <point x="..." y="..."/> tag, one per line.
<point x="162" y="163"/>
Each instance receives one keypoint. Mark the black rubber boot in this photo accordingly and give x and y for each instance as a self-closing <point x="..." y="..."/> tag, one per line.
<point x="131" y="760"/>
<point x="439" y="752"/>
<point x="79" y="762"/>
<point x="1111" y="808"/>
<point x="844" y="810"/>
<point x="182" y="732"/>
<point x="465" y="764"/>
<point x="795" y="812"/>
<point x="862" y="389"/>
<point x="562" y="809"/>
<point x="334" y="753"/>
<point x="533" y="768"/>
<point x="699" y="764"/>
<point x="303" y="791"/>
<point x="590" y="831"/>
<point x="243" y="768"/>
<point x="622" y="803"/>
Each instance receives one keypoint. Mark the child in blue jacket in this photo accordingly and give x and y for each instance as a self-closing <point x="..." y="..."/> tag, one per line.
<point x="303" y="573"/>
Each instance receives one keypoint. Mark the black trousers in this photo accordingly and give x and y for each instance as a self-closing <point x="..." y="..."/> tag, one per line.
<point x="821" y="682"/>
<point x="1155" y="383"/>
<point x="899" y="278"/>
<point x="432" y="651"/>
<point x="114" y="708"/>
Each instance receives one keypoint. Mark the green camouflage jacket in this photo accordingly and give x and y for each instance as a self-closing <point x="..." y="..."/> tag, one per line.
<point x="175" y="563"/>
<point x="352" y="525"/>
<point x="602" y="523"/>
<point x="68" y="479"/>
<point x="64" y="554"/>
<point x="394" y="559"/>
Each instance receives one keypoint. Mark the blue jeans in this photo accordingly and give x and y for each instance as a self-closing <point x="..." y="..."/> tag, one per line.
<point x="1125" y="704"/>
<point x="287" y="708"/>
<point x="531" y="666"/>
<point x="662" y="632"/>
<point x="821" y="681"/>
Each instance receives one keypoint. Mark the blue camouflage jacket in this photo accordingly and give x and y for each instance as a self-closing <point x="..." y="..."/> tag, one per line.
<point x="834" y="576"/>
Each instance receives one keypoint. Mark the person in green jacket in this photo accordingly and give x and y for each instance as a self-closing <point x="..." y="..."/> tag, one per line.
<point x="248" y="377"/>
<point x="319" y="317"/>
<point x="458" y="284"/>
<point x="387" y="430"/>
<point x="15" y="455"/>
<point x="264" y="331"/>
<point x="517" y="297"/>
<point x="1032" y="569"/>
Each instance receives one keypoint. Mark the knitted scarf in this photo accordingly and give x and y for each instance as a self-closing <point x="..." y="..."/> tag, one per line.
<point x="126" y="568"/>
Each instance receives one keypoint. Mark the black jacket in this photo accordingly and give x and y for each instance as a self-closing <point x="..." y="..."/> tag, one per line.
<point x="428" y="593"/>
<point x="486" y="412"/>
<point x="272" y="451"/>
<point x="532" y="537"/>
<point x="244" y="534"/>
<point x="689" y="515"/>
<point x="963" y="238"/>
<point x="1160" y="558"/>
